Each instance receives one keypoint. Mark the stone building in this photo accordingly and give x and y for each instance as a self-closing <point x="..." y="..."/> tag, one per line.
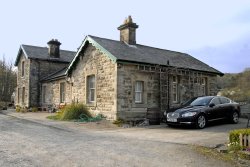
<point x="117" y="78"/>
<point x="34" y="63"/>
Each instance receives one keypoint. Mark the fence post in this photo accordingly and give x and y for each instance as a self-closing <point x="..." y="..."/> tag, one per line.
<point x="241" y="140"/>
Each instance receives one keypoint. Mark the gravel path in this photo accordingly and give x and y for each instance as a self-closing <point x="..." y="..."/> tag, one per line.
<point x="25" y="143"/>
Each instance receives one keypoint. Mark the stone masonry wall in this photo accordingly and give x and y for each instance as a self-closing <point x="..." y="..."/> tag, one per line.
<point x="188" y="85"/>
<point x="23" y="82"/>
<point x="38" y="70"/>
<point x="127" y="76"/>
<point x="52" y="93"/>
<point x="93" y="62"/>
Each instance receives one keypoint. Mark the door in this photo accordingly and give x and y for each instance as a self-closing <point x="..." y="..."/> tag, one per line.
<point x="214" y="112"/>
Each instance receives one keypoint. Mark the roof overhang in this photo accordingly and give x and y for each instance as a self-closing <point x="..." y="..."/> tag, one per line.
<point x="168" y="66"/>
<point x="19" y="54"/>
<point x="86" y="41"/>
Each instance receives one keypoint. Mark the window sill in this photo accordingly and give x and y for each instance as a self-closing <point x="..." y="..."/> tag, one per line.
<point x="91" y="104"/>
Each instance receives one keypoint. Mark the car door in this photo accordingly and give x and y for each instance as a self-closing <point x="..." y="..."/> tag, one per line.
<point x="214" y="112"/>
<point x="225" y="107"/>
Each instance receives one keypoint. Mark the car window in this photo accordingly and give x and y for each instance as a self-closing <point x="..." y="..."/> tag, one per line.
<point x="201" y="101"/>
<point x="224" y="100"/>
<point x="216" y="101"/>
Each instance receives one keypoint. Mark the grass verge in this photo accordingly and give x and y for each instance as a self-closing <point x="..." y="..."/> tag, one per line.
<point x="234" y="158"/>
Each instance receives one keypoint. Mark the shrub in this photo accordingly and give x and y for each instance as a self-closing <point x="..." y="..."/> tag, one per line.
<point x="24" y="110"/>
<point x="234" y="135"/>
<point x="34" y="109"/>
<point x="234" y="146"/>
<point x="119" y="122"/>
<point x="73" y="111"/>
<point x="18" y="108"/>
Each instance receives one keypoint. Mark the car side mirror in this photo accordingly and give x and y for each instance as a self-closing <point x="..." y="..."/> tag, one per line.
<point x="211" y="105"/>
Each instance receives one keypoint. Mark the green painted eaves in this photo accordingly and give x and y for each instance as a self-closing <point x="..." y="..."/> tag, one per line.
<point x="97" y="46"/>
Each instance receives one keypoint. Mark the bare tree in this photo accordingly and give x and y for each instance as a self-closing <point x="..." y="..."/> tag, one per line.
<point x="7" y="80"/>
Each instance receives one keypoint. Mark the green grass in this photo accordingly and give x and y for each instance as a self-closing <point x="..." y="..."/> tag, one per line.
<point x="54" y="117"/>
<point x="230" y="156"/>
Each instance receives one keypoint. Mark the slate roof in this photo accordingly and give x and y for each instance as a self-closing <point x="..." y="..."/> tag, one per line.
<point x="41" y="53"/>
<point x="56" y="75"/>
<point x="150" y="55"/>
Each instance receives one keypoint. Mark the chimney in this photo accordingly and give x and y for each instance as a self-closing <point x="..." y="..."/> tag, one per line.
<point x="54" y="48"/>
<point x="128" y="31"/>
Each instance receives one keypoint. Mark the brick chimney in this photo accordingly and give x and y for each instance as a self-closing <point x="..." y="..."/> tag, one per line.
<point x="128" y="31"/>
<point x="54" y="48"/>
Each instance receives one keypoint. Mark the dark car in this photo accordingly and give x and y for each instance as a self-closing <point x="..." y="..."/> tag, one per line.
<point x="182" y="105"/>
<point x="203" y="110"/>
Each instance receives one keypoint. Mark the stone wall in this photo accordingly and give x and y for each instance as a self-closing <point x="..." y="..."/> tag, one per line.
<point x="93" y="62"/>
<point x="23" y="82"/>
<point x="38" y="70"/>
<point x="52" y="93"/>
<point x="188" y="84"/>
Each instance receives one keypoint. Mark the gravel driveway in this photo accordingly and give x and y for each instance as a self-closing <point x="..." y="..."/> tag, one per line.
<point x="26" y="143"/>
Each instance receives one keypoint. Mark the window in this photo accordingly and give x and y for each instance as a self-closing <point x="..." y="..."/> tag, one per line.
<point x="91" y="88"/>
<point x="138" y="91"/>
<point x="62" y="92"/>
<point x="23" y="94"/>
<point x="175" y="89"/>
<point x="44" y="94"/>
<point x="216" y="101"/>
<point x="22" y="68"/>
<point x="203" y="86"/>
<point x="18" y="95"/>
<point x="224" y="100"/>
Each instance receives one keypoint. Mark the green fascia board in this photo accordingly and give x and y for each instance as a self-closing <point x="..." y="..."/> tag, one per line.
<point x="97" y="46"/>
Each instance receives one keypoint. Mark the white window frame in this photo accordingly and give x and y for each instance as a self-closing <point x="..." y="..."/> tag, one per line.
<point x="91" y="93"/>
<point x="62" y="92"/>
<point x="138" y="91"/>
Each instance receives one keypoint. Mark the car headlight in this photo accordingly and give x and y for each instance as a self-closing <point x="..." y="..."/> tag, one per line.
<point x="168" y="115"/>
<point x="189" y="114"/>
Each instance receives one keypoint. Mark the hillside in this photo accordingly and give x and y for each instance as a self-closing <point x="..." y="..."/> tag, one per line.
<point x="235" y="86"/>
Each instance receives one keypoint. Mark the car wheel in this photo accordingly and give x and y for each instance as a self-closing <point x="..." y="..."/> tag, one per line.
<point x="201" y="122"/>
<point x="235" y="117"/>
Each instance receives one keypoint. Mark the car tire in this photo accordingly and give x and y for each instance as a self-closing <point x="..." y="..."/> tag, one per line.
<point x="201" y="121"/>
<point x="234" y="117"/>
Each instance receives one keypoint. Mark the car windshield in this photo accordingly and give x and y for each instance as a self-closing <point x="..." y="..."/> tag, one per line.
<point x="188" y="102"/>
<point x="201" y="101"/>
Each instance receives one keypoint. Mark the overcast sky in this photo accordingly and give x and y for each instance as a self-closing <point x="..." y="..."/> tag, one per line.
<point x="216" y="32"/>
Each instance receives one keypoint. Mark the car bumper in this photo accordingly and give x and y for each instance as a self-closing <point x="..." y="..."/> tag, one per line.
<point x="183" y="121"/>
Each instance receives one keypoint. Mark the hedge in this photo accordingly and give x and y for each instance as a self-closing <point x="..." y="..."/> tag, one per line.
<point x="234" y="135"/>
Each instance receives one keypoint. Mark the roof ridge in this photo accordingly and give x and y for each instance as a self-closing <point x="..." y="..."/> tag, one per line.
<point x="140" y="45"/>
<point x="44" y="47"/>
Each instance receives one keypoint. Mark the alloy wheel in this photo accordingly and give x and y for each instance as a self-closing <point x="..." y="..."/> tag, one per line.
<point x="201" y="121"/>
<point x="235" y="118"/>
